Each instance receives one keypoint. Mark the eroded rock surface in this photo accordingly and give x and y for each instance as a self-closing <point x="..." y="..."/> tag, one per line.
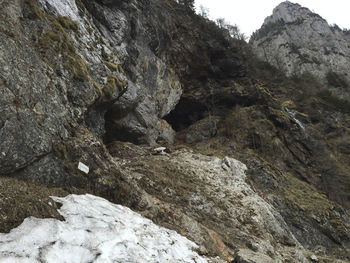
<point x="88" y="81"/>
<point x="209" y="200"/>
<point x="297" y="40"/>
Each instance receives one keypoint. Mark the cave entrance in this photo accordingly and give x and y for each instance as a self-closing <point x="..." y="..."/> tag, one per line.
<point x="186" y="112"/>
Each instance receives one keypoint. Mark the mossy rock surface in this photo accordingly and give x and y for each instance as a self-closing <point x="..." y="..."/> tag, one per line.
<point x="111" y="66"/>
<point x="36" y="12"/>
<point x="110" y="87"/>
<point x="22" y="199"/>
<point x="77" y="67"/>
<point x="114" y="86"/>
<point x="68" y="23"/>
<point x="289" y="104"/>
<point x="56" y="40"/>
<point x="125" y="150"/>
<point x="306" y="197"/>
<point x="80" y="4"/>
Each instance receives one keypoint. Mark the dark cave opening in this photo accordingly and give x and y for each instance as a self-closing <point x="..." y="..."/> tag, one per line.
<point x="186" y="112"/>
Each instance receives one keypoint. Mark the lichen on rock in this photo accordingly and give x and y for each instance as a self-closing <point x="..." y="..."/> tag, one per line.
<point x="180" y="122"/>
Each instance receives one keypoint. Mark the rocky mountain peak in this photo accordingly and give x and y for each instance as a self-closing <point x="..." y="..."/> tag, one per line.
<point x="298" y="41"/>
<point x="151" y="106"/>
<point x="291" y="12"/>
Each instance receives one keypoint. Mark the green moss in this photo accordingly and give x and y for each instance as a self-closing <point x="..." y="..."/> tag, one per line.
<point x="122" y="86"/>
<point x="279" y="118"/>
<point x="80" y="4"/>
<point x="58" y="41"/>
<point x="114" y="84"/>
<point x="98" y="88"/>
<point x="21" y="199"/>
<point x="301" y="114"/>
<point x="68" y="23"/>
<point x="36" y="11"/>
<point x="49" y="39"/>
<point x="289" y="104"/>
<point x="110" y="87"/>
<point x="111" y="66"/>
<point x="77" y="67"/>
<point x="305" y="196"/>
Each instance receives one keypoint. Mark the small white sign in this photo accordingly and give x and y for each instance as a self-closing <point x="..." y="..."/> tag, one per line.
<point x="84" y="168"/>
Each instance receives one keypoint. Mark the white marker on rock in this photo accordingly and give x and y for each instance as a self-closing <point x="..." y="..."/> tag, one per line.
<point x="84" y="168"/>
<point x="159" y="150"/>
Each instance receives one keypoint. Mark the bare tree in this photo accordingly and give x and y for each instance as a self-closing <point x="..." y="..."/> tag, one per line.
<point x="188" y="4"/>
<point x="204" y="11"/>
<point x="232" y="30"/>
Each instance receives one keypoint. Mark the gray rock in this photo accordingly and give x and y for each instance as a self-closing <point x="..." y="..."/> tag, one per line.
<point x="75" y="73"/>
<point x="297" y="40"/>
<point x="201" y="130"/>
<point x="248" y="256"/>
<point x="314" y="258"/>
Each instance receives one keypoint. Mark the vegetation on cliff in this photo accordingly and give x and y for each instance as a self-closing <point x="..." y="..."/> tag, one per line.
<point x="104" y="82"/>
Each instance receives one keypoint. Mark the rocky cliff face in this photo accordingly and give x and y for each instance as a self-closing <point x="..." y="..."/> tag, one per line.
<point x="101" y="83"/>
<point x="305" y="47"/>
<point x="297" y="40"/>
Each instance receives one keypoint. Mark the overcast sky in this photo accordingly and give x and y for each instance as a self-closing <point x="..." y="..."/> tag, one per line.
<point x="250" y="14"/>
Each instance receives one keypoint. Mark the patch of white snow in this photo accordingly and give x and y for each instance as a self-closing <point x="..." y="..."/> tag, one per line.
<point x="95" y="230"/>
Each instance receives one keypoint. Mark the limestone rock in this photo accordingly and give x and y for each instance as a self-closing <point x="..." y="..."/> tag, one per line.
<point x="247" y="256"/>
<point x="297" y="40"/>
<point x="195" y="207"/>
<point x="201" y="130"/>
<point x="166" y="132"/>
<point x="314" y="258"/>
<point x="81" y="80"/>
